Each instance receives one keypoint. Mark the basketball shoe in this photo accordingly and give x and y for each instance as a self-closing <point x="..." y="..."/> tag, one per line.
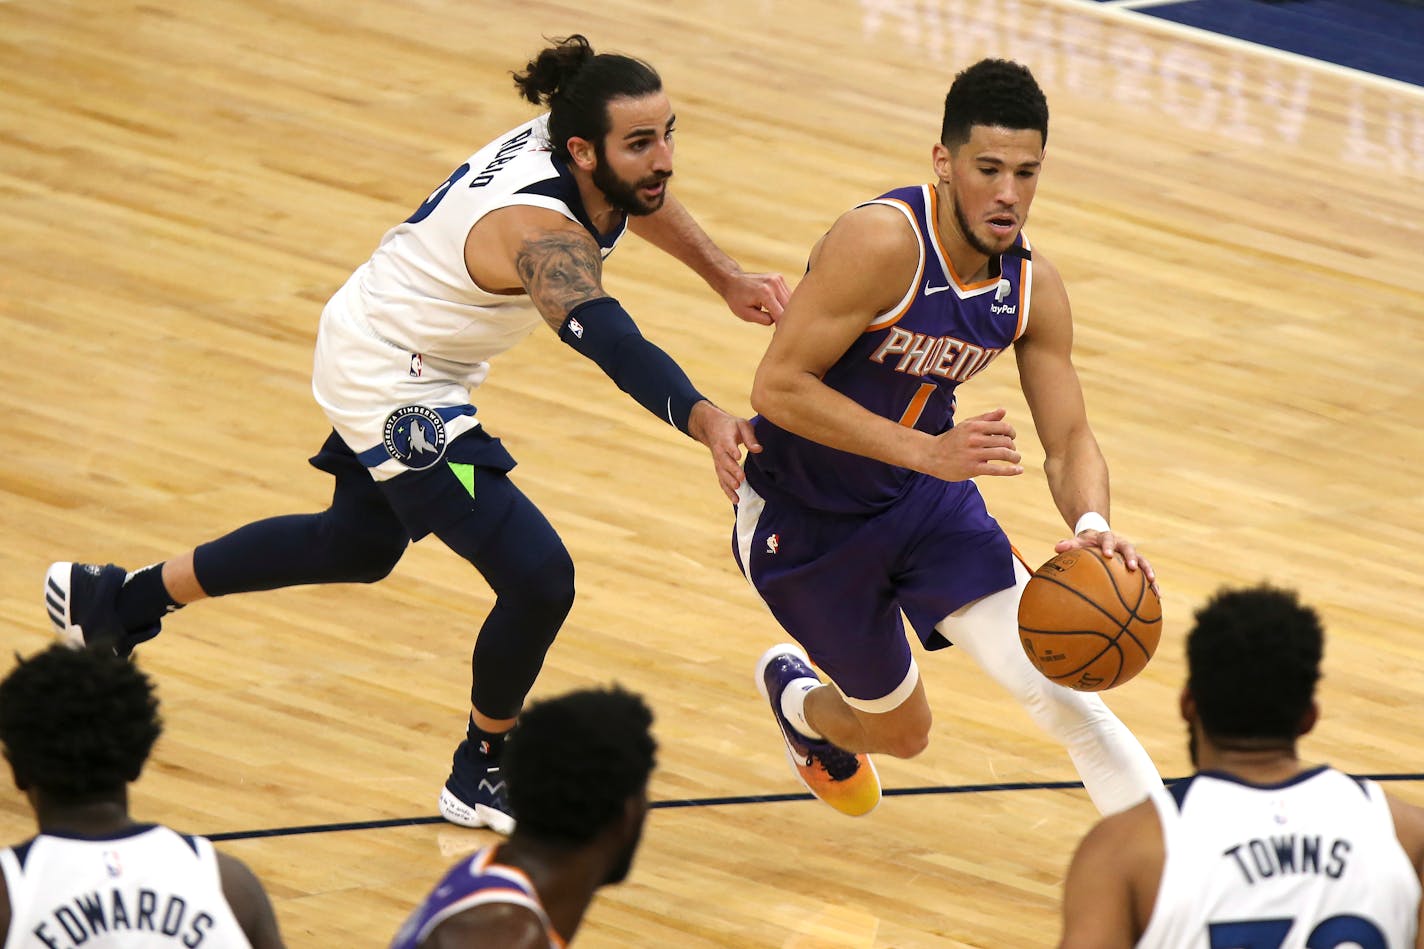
<point x="844" y="780"/>
<point x="82" y="602"/>
<point x="474" y="795"/>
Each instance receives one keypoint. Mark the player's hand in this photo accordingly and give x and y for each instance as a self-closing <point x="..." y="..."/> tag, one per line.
<point x="724" y="435"/>
<point x="1111" y="544"/>
<point x="757" y="297"/>
<point x="982" y="445"/>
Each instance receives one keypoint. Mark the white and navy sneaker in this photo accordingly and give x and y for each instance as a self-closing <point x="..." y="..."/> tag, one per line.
<point x="82" y="602"/>
<point x="474" y="795"/>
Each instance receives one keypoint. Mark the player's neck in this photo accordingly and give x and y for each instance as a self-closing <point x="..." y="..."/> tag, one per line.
<point x="88" y="819"/>
<point x="604" y="217"/>
<point x="1258" y="765"/>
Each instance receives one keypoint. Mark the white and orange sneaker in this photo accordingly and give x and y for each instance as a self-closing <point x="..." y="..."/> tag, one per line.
<point x="842" y="779"/>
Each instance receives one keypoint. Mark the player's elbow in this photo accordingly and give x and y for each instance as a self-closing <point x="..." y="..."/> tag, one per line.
<point x="773" y="394"/>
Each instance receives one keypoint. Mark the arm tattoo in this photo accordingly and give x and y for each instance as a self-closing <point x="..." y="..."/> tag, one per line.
<point x="560" y="270"/>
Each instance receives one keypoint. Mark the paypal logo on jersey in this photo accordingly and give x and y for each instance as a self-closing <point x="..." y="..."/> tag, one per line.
<point x="999" y="306"/>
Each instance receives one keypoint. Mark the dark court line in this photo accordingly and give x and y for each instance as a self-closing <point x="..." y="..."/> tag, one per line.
<point x="714" y="802"/>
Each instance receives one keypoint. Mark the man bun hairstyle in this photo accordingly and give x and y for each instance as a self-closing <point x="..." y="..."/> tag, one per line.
<point x="77" y="723"/>
<point x="994" y="92"/>
<point x="577" y="84"/>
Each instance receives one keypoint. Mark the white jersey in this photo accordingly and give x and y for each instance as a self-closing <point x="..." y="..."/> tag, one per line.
<point x="1314" y="862"/>
<point x="410" y="327"/>
<point x="147" y="886"/>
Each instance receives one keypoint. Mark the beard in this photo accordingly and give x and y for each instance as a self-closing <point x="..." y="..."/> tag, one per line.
<point x="619" y="871"/>
<point x="622" y="194"/>
<point x="970" y="238"/>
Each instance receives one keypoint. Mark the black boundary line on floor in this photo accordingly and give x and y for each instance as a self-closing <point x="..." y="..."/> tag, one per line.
<point x="712" y="802"/>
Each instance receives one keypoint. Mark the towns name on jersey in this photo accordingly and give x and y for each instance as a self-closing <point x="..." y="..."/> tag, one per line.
<point x="922" y="355"/>
<point x="1259" y="859"/>
<point x="92" y="914"/>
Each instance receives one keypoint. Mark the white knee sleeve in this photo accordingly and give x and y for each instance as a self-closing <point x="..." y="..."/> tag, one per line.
<point x="1112" y="763"/>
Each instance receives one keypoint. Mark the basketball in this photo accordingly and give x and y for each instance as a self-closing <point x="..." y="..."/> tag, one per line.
<point x="1088" y="622"/>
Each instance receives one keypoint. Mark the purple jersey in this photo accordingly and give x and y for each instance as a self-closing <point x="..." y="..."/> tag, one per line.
<point x="905" y="367"/>
<point x="473" y="882"/>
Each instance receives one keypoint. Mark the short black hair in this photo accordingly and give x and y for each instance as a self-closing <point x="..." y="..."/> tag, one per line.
<point x="577" y="84"/>
<point x="573" y="761"/>
<point x="994" y="92"/>
<point x="77" y="723"/>
<point x="1253" y="659"/>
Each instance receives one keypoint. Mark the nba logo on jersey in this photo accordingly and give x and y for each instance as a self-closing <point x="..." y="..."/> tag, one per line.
<point x="415" y="436"/>
<point x="773" y="543"/>
<point x="417" y="364"/>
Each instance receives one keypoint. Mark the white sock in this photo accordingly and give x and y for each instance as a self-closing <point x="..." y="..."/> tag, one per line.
<point x="793" y="705"/>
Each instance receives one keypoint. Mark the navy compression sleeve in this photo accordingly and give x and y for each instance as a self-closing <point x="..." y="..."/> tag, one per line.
<point x="604" y="332"/>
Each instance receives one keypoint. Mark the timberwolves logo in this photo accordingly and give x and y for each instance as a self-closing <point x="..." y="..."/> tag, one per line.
<point x="415" y="436"/>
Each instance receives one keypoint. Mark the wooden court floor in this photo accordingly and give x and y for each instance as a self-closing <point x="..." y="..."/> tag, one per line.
<point x="183" y="184"/>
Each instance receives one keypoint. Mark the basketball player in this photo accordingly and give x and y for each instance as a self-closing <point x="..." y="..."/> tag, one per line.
<point x="1256" y="850"/>
<point x="862" y="504"/>
<point x="77" y="726"/>
<point x="515" y="237"/>
<point x="578" y="770"/>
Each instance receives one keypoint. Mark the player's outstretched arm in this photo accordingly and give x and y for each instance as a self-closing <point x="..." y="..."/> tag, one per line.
<point x="561" y="269"/>
<point x="754" y="297"/>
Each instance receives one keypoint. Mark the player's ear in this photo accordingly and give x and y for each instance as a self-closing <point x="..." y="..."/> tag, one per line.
<point x="1308" y="720"/>
<point x="942" y="160"/>
<point x="1188" y="706"/>
<point x="583" y="153"/>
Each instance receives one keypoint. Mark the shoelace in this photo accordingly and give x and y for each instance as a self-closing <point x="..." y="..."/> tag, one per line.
<point x="839" y="763"/>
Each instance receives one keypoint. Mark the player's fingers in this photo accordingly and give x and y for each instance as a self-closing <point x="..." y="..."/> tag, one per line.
<point x="991" y="428"/>
<point x="1148" y="572"/>
<point x="1002" y="471"/>
<point x="746" y="434"/>
<point x="1085" y="539"/>
<point x="730" y="482"/>
<point x="1107" y="543"/>
<point x="995" y="441"/>
<point x="782" y="290"/>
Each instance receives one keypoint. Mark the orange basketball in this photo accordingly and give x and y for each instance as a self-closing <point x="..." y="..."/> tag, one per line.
<point x="1088" y="622"/>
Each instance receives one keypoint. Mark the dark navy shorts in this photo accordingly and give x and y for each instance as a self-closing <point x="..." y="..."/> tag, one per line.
<point x="839" y="582"/>
<point x="428" y="499"/>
